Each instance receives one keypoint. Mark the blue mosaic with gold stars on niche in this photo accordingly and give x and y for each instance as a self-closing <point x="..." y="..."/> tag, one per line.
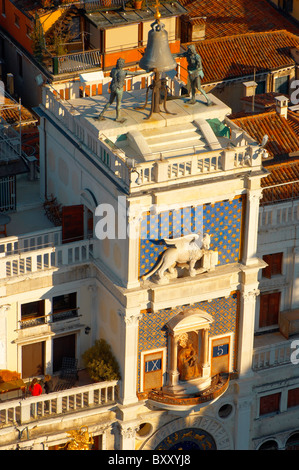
<point x="221" y="220"/>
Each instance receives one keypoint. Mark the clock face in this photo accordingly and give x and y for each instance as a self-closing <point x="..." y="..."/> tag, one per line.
<point x="188" y="439"/>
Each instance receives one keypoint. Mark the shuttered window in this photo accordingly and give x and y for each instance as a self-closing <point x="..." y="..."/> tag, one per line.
<point x="269" y="309"/>
<point x="72" y="223"/>
<point x="293" y="397"/>
<point x="274" y="267"/>
<point x="270" y="403"/>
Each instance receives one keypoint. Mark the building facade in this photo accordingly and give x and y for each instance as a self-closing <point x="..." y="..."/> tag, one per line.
<point x="183" y="337"/>
<point x="155" y="242"/>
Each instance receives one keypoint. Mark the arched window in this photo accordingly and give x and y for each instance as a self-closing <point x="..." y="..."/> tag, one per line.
<point x="293" y="442"/>
<point x="269" y="445"/>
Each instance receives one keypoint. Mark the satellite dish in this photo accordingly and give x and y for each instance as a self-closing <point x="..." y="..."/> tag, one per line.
<point x="265" y="140"/>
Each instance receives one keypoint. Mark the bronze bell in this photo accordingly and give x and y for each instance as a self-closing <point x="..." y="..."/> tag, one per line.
<point x="157" y="55"/>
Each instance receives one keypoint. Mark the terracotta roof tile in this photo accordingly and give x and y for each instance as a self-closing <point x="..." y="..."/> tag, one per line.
<point x="9" y="111"/>
<point x="237" y="56"/>
<point x="283" y="140"/>
<point x="230" y="17"/>
<point x="282" y="183"/>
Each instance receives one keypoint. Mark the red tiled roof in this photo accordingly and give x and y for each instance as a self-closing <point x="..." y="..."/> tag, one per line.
<point x="10" y="112"/>
<point x="283" y="139"/>
<point x="231" y="17"/>
<point x="282" y="182"/>
<point x="237" y="56"/>
<point x="266" y="100"/>
<point x="293" y="119"/>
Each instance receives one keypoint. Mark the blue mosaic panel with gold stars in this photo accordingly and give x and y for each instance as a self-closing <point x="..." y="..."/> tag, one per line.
<point x="153" y="333"/>
<point x="221" y="220"/>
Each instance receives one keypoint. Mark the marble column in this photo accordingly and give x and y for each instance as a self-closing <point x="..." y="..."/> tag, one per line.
<point x="251" y="223"/>
<point x="173" y="372"/>
<point x="129" y="337"/>
<point x="128" y="433"/>
<point x="3" y="336"/>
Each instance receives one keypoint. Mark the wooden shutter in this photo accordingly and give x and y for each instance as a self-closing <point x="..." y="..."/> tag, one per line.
<point x="269" y="403"/>
<point x="72" y="223"/>
<point x="276" y="264"/>
<point x="266" y="272"/>
<point x="293" y="397"/>
<point x="33" y="360"/>
<point x="269" y="309"/>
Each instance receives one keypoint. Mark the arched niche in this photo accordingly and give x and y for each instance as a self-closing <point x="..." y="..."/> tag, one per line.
<point x="188" y="347"/>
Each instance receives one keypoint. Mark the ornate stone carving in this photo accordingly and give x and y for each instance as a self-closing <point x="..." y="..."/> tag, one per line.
<point x="128" y="431"/>
<point x="250" y="296"/>
<point x="184" y="251"/>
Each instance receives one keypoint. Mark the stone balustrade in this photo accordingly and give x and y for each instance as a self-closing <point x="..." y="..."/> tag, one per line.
<point x="77" y="399"/>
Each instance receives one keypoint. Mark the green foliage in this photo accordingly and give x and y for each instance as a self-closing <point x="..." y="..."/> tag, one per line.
<point x="100" y="362"/>
<point x="38" y="40"/>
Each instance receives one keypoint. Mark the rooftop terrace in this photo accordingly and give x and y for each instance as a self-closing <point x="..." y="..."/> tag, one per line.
<point x="187" y="139"/>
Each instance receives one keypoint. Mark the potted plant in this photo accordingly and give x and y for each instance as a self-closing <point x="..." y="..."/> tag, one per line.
<point x="101" y="363"/>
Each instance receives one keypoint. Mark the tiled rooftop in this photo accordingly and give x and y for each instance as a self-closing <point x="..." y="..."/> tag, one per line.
<point x="237" y="56"/>
<point x="234" y="17"/>
<point x="276" y="187"/>
<point x="283" y="139"/>
<point x="11" y="112"/>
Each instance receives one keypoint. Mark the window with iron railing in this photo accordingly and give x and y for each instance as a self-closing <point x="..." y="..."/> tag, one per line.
<point x="64" y="307"/>
<point x="32" y="314"/>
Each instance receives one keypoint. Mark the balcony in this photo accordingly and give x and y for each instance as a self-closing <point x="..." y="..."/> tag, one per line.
<point x="166" y="400"/>
<point x="54" y="317"/>
<point x="75" y="62"/>
<point x="159" y="154"/>
<point x="272" y="350"/>
<point x="18" y="261"/>
<point x="54" y="405"/>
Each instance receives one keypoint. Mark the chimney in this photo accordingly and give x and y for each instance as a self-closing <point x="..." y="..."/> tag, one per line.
<point x="249" y="91"/>
<point x="10" y="84"/>
<point x="282" y="106"/>
<point x="250" y="88"/>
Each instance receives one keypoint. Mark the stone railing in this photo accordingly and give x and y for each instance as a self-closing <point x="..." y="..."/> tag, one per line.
<point x="46" y="258"/>
<point x="272" y="355"/>
<point x="77" y="399"/>
<point x="162" y="167"/>
<point x="278" y="215"/>
<point x="29" y="242"/>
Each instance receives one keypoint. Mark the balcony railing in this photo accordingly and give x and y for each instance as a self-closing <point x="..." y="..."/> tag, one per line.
<point x="29" y="242"/>
<point x="77" y="62"/>
<point x="46" y="258"/>
<point x="162" y="168"/>
<point x="279" y="214"/>
<point x="77" y="399"/>
<point x="54" y="317"/>
<point x="272" y="355"/>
